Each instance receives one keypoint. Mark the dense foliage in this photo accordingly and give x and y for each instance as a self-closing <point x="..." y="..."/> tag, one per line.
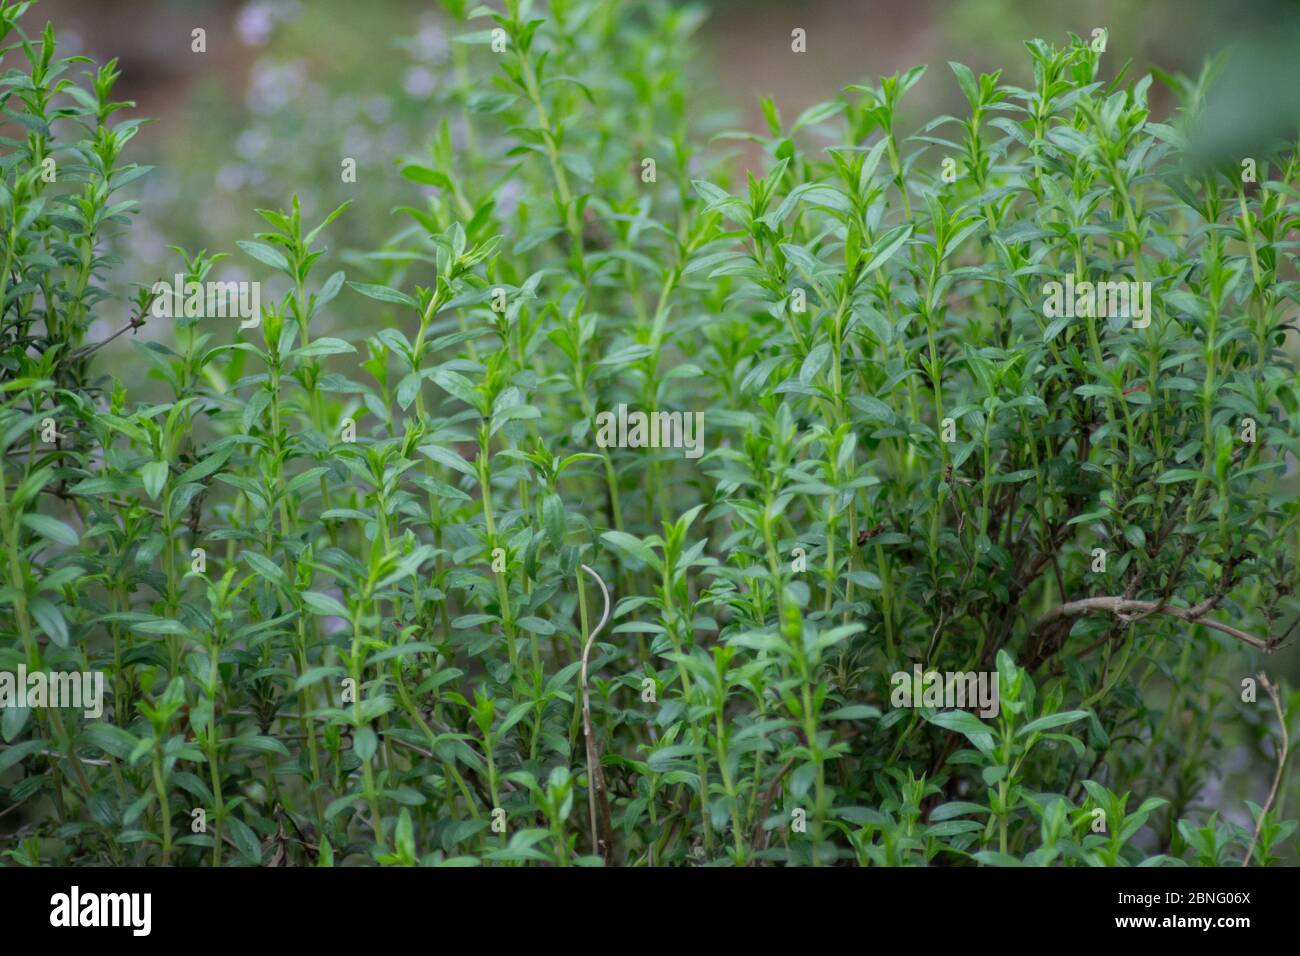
<point x="336" y="581"/>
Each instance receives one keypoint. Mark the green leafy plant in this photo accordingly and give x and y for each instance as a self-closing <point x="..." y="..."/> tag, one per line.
<point x="346" y="569"/>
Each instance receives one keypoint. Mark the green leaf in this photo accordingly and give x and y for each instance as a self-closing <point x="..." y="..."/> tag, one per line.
<point x="365" y="743"/>
<point x="426" y="176"/>
<point x="512" y="414"/>
<point x="12" y="721"/>
<point x="206" y="467"/>
<point x="853" y="712"/>
<point x="324" y="346"/>
<point x="250" y="847"/>
<point x="887" y="246"/>
<point x="459" y="386"/>
<point x="956" y="808"/>
<point x="710" y="193"/>
<point x="110" y="739"/>
<point x="10" y="756"/>
<point x="818" y="113"/>
<point x="554" y="520"/>
<point x="265" y="254"/>
<point x="154" y="477"/>
<point x="968" y="725"/>
<point x="52" y="529"/>
<point x="256" y="742"/>
<point x="448" y="457"/>
<point x="50" y="618"/>
<point x="330" y="289"/>
<point x="324" y="605"/>
<point x="634" y="548"/>
<point x="966" y="80"/>
<point x="814" y="363"/>
<point x="1050" y="721"/>
<point x="537" y="625"/>
<point x="384" y="294"/>
<point x="1179" y="474"/>
<point x="267" y="568"/>
<point x="865" y="579"/>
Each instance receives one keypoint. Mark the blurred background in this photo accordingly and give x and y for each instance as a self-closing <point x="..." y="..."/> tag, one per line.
<point x="287" y="88"/>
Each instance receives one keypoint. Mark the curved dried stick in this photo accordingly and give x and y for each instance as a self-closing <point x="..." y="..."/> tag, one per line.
<point x="602" y="830"/>
<point x="1269" y="686"/>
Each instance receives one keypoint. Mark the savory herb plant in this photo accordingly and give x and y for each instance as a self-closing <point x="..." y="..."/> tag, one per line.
<point x="366" y="582"/>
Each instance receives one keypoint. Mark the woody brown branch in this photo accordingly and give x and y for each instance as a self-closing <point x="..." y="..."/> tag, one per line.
<point x="1133" y="609"/>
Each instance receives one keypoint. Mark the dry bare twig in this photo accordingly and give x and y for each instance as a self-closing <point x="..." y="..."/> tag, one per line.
<point x="602" y="830"/>
<point x="1129" y="609"/>
<point x="1269" y="686"/>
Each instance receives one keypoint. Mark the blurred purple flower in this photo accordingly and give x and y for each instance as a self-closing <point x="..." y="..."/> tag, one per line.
<point x="419" y="83"/>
